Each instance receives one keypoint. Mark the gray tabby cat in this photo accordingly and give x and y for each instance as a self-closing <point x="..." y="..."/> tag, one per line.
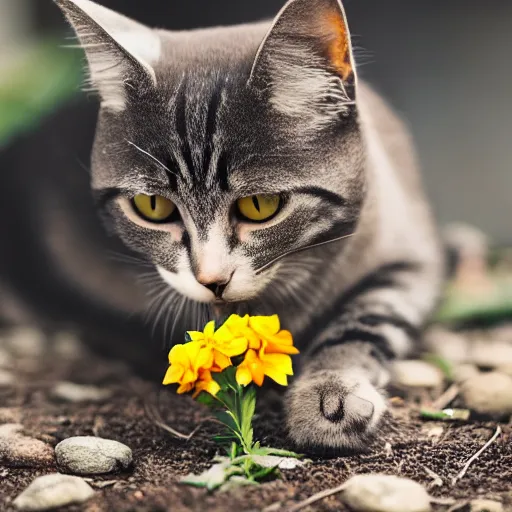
<point x="254" y="172"/>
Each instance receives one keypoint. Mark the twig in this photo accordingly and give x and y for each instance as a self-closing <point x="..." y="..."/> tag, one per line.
<point x="155" y="417"/>
<point x="448" y="396"/>
<point x="476" y="455"/>
<point x="317" y="497"/>
<point x="437" y="481"/>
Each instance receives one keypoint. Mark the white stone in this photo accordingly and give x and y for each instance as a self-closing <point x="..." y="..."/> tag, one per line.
<point x="52" y="491"/>
<point x="5" y="359"/>
<point x="485" y="506"/>
<point x="26" y="342"/>
<point x="67" y="345"/>
<point x="6" y="378"/>
<point x="506" y="369"/>
<point x="464" y="372"/>
<point x="92" y="455"/>
<point x="417" y="374"/>
<point x="449" y="345"/>
<point x="489" y="353"/>
<point x="273" y="461"/>
<point x="71" y="392"/>
<point x="18" y="450"/>
<point x="488" y="393"/>
<point x="385" y="493"/>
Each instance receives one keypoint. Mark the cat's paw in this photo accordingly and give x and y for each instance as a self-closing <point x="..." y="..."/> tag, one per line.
<point x="333" y="411"/>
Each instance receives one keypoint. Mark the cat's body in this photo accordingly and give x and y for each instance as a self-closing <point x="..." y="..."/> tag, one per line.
<point x="349" y="258"/>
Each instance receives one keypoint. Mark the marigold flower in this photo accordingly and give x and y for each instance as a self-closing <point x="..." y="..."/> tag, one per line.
<point x="222" y="343"/>
<point x="258" y="364"/>
<point x="269" y="331"/>
<point x="185" y="363"/>
<point x="206" y="383"/>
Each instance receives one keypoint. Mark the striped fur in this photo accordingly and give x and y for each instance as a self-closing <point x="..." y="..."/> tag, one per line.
<point x="351" y="264"/>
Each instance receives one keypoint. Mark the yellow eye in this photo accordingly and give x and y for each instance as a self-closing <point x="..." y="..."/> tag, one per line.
<point x="260" y="207"/>
<point x="153" y="208"/>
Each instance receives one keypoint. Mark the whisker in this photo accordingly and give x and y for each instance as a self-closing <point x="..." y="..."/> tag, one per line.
<point x="300" y="249"/>
<point x="152" y="158"/>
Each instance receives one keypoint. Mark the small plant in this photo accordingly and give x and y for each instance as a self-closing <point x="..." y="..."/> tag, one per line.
<point x="223" y="368"/>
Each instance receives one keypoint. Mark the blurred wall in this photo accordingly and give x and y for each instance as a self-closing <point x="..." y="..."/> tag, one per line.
<point x="445" y="65"/>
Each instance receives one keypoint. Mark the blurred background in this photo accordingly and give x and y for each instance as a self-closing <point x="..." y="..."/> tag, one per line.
<point x="444" y="65"/>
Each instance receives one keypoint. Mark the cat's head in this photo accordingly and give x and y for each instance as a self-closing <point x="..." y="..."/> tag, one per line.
<point x="221" y="153"/>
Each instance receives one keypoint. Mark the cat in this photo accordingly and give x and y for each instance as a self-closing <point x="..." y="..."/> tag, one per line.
<point x="251" y="170"/>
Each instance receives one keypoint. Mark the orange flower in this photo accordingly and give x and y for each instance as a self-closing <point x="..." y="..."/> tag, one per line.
<point x="268" y="329"/>
<point x="258" y="364"/>
<point x="206" y="383"/>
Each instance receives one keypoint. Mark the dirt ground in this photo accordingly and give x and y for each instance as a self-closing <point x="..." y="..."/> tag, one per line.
<point x="407" y="446"/>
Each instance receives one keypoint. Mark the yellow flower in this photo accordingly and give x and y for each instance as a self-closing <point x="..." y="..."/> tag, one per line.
<point x="222" y="343"/>
<point x="185" y="363"/>
<point x="275" y="341"/>
<point x="258" y="364"/>
<point x="206" y="383"/>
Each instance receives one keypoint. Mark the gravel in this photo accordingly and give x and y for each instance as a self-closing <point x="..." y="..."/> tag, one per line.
<point x="489" y="393"/>
<point x="385" y="493"/>
<point x="70" y="392"/>
<point x="52" y="491"/>
<point x="18" y="450"/>
<point x="92" y="455"/>
<point x="417" y="374"/>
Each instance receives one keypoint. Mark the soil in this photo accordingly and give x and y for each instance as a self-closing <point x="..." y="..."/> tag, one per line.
<point x="407" y="447"/>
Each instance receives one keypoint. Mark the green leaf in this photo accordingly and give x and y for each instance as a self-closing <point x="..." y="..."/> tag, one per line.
<point x="247" y="408"/>
<point x="265" y="472"/>
<point x="443" y="364"/>
<point x="275" y="451"/>
<point x="207" y="399"/>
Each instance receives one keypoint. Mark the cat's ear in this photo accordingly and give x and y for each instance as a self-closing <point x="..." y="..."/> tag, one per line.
<point x="120" y="51"/>
<point x="305" y="62"/>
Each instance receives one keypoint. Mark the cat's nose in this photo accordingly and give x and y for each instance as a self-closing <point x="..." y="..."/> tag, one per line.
<point x="217" y="287"/>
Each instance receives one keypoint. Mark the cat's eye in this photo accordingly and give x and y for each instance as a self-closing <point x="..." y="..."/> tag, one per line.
<point x="259" y="208"/>
<point x="154" y="208"/>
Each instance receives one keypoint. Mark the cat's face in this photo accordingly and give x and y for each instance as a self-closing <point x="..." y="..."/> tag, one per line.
<point x="220" y="153"/>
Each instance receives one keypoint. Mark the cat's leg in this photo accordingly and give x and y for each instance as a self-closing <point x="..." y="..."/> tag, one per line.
<point x="337" y="402"/>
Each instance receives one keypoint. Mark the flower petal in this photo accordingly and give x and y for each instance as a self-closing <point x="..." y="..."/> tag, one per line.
<point x="209" y="329"/>
<point x="282" y="362"/>
<point x="173" y="375"/>
<point x="243" y="375"/>
<point x="265" y="324"/>
<point x="220" y="360"/>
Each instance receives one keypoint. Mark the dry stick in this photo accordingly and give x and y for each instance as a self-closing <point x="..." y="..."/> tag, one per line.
<point x="317" y="497"/>
<point x="448" y="396"/>
<point x="476" y="455"/>
<point x="155" y="417"/>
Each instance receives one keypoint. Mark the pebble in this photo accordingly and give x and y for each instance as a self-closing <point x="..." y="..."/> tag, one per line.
<point x="68" y="346"/>
<point x="272" y="461"/>
<point x="6" y="378"/>
<point x="490" y="354"/>
<point x="18" y="450"/>
<point x="26" y="342"/>
<point x="462" y="372"/>
<point x="92" y="455"/>
<point x="488" y="393"/>
<point x="417" y="374"/>
<point x="10" y="415"/>
<point x="449" y="345"/>
<point x="5" y="359"/>
<point x="506" y="369"/>
<point x="485" y="506"/>
<point x="70" y="392"/>
<point x="53" y="491"/>
<point x="385" y="493"/>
